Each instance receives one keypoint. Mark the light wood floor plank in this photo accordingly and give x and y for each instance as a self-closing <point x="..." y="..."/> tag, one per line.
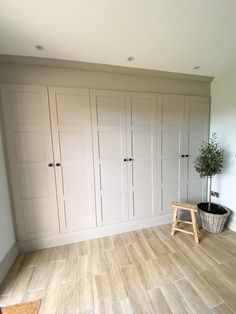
<point x="203" y="289"/>
<point x="158" y="302"/>
<point x="122" y="256"/>
<point x="135" y="290"/>
<point x="67" y="298"/>
<point x="222" y="309"/>
<point x="59" y="253"/>
<point x="229" y="274"/>
<point x="174" y="299"/>
<point x="50" y="300"/>
<point x="84" y="266"/>
<point x="200" y="285"/>
<point x="117" y="287"/>
<point x="4" y="300"/>
<point x="143" y="245"/>
<point x="84" y="294"/>
<point x="32" y="258"/>
<point x="69" y="273"/>
<point x="148" y="233"/>
<point x="128" y="237"/>
<point x="33" y="295"/>
<point x="169" y="243"/>
<point x="171" y="271"/>
<point x="216" y="250"/>
<point x="221" y="287"/>
<point x="22" y="284"/>
<point x="122" y="307"/>
<point x="191" y="297"/>
<point x="39" y="278"/>
<point x="146" y="275"/>
<point x="158" y="247"/>
<point x="11" y="278"/>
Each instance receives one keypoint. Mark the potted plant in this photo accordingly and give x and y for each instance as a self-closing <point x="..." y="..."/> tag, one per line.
<point x="208" y="163"/>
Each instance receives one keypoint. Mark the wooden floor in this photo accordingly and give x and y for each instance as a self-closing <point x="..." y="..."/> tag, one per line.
<point x="145" y="271"/>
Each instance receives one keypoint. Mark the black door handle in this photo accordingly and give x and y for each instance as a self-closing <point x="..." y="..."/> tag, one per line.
<point x="125" y="159"/>
<point x="186" y="155"/>
<point x="130" y="159"/>
<point x="50" y="165"/>
<point x="182" y="156"/>
<point x="58" y="164"/>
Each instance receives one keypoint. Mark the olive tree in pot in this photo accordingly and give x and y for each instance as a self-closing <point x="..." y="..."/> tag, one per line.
<point x="208" y="163"/>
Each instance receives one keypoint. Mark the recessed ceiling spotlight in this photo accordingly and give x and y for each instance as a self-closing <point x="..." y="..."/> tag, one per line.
<point x="39" y="47"/>
<point x="131" y="59"/>
<point x="196" y="67"/>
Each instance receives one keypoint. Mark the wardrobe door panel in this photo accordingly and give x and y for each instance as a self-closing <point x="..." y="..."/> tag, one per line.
<point x="75" y="181"/>
<point x="109" y="136"/>
<point x="141" y="106"/>
<point x="73" y="146"/>
<point x="111" y="176"/>
<point x="197" y="128"/>
<point x="141" y="143"/>
<point x="195" y="138"/>
<point x="143" y="203"/>
<point x="141" y="135"/>
<point x="196" y="191"/>
<point x="29" y="145"/>
<point x="77" y="213"/>
<point x="35" y="183"/>
<point x="112" y="205"/>
<point x="27" y="105"/>
<point x="72" y="141"/>
<point x="142" y="172"/>
<point x="25" y="149"/>
<point x="171" y="144"/>
<point x="110" y="144"/>
<point x="70" y="111"/>
<point x="169" y="193"/>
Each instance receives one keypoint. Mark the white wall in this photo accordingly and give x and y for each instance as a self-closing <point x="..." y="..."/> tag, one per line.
<point x="7" y="237"/>
<point x="223" y="122"/>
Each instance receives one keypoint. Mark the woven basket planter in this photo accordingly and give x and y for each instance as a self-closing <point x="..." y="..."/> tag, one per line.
<point x="213" y="222"/>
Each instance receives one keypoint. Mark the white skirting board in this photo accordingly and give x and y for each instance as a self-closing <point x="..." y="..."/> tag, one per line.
<point x="88" y="234"/>
<point x="8" y="261"/>
<point x="232" y="224"/>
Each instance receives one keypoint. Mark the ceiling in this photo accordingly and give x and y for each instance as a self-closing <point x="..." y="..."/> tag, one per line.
<point x="166" y="35"/>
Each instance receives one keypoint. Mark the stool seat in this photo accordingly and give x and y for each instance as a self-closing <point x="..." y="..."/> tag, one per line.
<point x="192" y="208"/>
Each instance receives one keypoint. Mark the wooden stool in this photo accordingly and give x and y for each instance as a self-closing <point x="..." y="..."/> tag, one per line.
<point x="192" y="208"/>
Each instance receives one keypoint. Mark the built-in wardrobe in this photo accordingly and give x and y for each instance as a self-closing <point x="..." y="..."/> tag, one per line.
<point x="83" y="159"/>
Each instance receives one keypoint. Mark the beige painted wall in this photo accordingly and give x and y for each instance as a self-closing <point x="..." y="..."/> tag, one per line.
<point x="223" y="122"/>
<point x="7" y="237"/>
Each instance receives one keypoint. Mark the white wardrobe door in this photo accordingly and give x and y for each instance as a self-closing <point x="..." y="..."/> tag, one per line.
<point x="109" y="135"/>
<point x="72" y="141"/>
<point x="141" y="141"/>
<point x="197" y="128"/>
<point x="172" y="136"/>
<point x="28" y="135"/>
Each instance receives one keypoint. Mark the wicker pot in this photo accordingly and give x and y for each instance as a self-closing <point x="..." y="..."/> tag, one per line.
<point x="213" y="222"/>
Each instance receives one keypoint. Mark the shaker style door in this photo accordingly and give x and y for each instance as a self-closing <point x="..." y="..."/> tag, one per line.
<point x="197" y="128"/>
<point x="110" y="154"/>
<point x="72" y="142"/>
<point x="29" y="146"/>
<point x="141" y="144"/>
<point x="172" y="165"/>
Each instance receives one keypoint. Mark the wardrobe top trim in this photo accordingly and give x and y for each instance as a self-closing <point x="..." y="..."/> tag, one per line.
<point x="94" y="90"/>
<point x="86" y="66"/>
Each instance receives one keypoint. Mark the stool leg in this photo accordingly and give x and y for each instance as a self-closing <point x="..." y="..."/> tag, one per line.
<point x="195" y="227"/>
<point x="174" y="222"/>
